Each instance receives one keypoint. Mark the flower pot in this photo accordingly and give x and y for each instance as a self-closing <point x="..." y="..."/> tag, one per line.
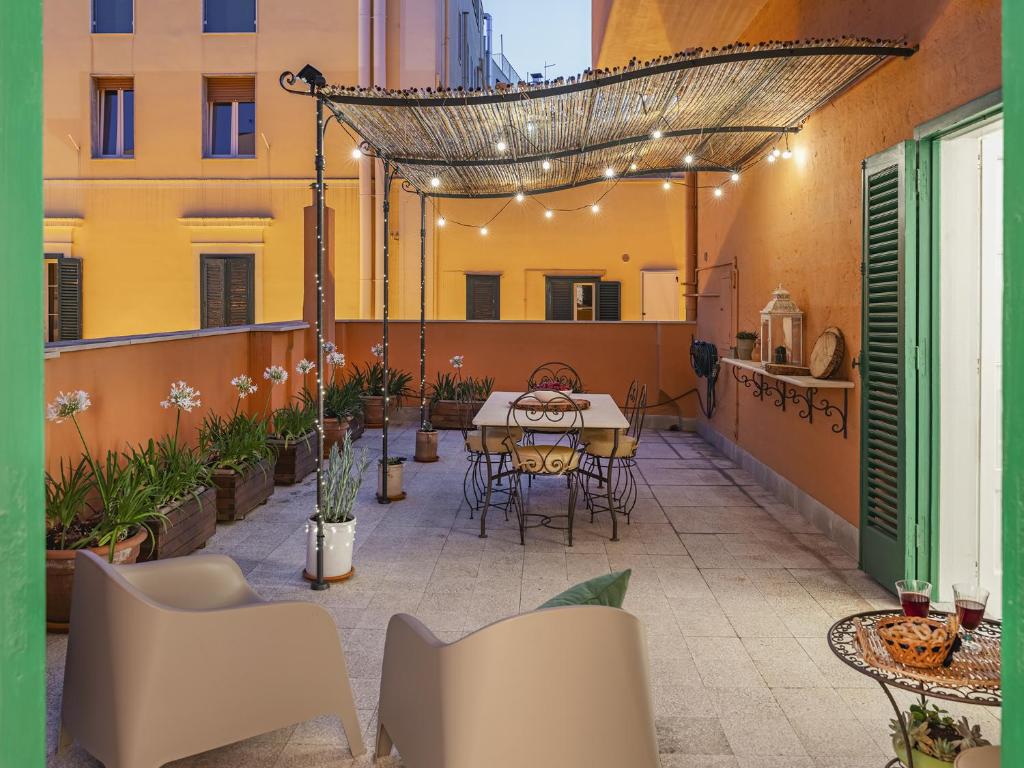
<point x="744" y="348"/>
<point x="452" y="414"/>
<point x="334" y="432"/>
<point x="239" y="494"/>
<point x="295" y="458"/>
<point x="339" y="541"/>
<point x="921" y="760"/>
<point x="426" y="446"/>
<point x="356" y="427"/>
<point x="60" y="576"/>
<point x="190" y="524"/>
<point x="373" y="410"/>
<point x="394" y="471"/>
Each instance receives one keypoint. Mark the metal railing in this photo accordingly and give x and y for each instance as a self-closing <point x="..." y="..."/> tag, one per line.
<point x="502" y="70"/>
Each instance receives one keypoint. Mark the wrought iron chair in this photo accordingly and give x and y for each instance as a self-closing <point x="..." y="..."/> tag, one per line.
<point x="482" y="478"/>
<point x="561" y="421"/>
<point x="616" y="484"/>
<point x="555" y="373"/>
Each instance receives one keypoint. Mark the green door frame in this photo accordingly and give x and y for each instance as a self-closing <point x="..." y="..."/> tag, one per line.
<point x="929" y="136"/>
<point x="22" y="638"/>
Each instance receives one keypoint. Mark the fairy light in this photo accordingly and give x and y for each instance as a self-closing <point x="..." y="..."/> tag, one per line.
<point x="688" y="159"/>
<point x="776" y="152"/>
<point x="735" y="176"/>
<point x="501" y="146"/>
<point x="771" y="157"/>
<point x="546" y="165"/>
<point x="483" y="231"/>
<point x="718" y="192"/>
<point x="595" y="208"/>
<point x="520" y="197"/>
<point x="632" y="166"/>
<point x="441" y="221"/>
<point x="786" y="154"/>
<point x="666" y="184"/>
<point x="609" y="172"/>
<point x="435" y="182"/>
<point x="356" y="154"/>
<point x="548" y="213"/>
<point x="529" y="127"/>
<point x="657" y="134"/>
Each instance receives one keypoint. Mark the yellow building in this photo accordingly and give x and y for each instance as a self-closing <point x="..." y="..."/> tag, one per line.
<point x="177" y="170"/>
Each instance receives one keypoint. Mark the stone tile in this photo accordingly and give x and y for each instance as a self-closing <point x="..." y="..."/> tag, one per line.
<point x="701" y="496"/>
<point x="691" y="736"/>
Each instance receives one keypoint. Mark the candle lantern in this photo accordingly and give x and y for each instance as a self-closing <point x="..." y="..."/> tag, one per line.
<point x="782" y="330"/>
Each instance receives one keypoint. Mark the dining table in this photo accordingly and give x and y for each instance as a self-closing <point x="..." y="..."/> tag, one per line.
<point x="601" y="412"/>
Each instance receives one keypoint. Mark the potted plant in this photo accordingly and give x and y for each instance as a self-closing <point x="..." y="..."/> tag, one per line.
<point x="343" y="475"/>
<point x="241" y="459"/>
<point x="426" y="443"/>
<point x="935" y="738"/>
<point x="371" y="380"/>
<point x="293" y="439"/>
<point x="393" y="467"/>
<point x="745" y="341"/>
<point x="115" y="529"/>
<point x="455" y="400"/>
<point x="185" y="494"/>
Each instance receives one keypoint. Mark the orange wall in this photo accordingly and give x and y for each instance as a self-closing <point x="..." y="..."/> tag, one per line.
<point x="798" y="222"/>
<point x="608" y="356"/>
<point x="127" y="382"/>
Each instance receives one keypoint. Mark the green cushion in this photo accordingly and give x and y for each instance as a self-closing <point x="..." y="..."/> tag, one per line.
<point x="608" y="589"/>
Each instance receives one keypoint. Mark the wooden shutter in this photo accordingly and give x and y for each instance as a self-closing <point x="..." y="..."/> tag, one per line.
<point x="69" y="298"/>
<point x="239" y="291"/>
<point x="223" y="89"/>
<point x="227" y="291"/>
<point x="608" y="300"/>
<point x="888" y="365"/>
<point x="559" y="299"/>
<point x="483" y="297"/>
<point x="213" y="313"/>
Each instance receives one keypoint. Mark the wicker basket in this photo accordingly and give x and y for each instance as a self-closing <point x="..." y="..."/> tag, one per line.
<point x="918" y="642"/>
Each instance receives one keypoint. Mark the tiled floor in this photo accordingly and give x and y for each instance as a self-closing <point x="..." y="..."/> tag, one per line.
<point x="735" y="589"/>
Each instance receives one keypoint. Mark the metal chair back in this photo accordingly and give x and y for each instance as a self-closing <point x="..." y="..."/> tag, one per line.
<point x="558" y="419"/>
<point x="465" y="410"/>
<point x="548" y="374"/>
<point x="636" y="409"/>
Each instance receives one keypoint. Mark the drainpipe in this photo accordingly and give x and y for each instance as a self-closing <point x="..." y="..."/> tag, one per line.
<point x="380" y="77"/>
<point x="488" y="47"/>
<point x="445" y="81"/>
<point x="365" y="176"/>
<point x="691" y="247"/>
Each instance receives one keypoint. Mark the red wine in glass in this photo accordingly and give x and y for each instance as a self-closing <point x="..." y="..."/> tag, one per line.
<point x="915" y="604"/>
<point x="970" y="613"/>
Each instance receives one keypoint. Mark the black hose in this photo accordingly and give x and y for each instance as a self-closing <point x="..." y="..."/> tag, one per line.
<point x="704" y="360"/>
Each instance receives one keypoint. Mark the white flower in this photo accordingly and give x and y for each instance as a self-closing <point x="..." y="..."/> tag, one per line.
<point x="67" y="405"/>
<point x="304" y="366"/>
<point x="244" y="384"/>
<point x="183" y="397"/>
<point x="275" y="374"/>
<point x="456" y="361"/>
<point x="330" y="346"/>
<point x="336" y="360"/>
<point x="377" y="350"/>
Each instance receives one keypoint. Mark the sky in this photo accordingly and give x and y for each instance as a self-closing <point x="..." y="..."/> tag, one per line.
<point x="538" y="31"/>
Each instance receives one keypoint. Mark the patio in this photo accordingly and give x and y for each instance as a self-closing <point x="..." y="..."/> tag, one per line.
<point x="735" y="589"/>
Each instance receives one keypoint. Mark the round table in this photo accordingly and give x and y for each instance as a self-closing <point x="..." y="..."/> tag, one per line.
<point x="842" y="640"/>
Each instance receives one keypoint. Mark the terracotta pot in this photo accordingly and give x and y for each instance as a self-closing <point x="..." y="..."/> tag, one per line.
<point x="426" y="446"/>
<point x="394" y="481"/>
<point x="373" y="410"/>
<point x="334" y="432"/>
<point x="190" y="524"/>
<point x="744" y="348"/>
<point x="339" y="541"/>
<point x="60" y="576"/>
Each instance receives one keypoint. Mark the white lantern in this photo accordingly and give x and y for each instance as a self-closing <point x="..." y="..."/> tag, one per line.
<point x="782" y="330"/>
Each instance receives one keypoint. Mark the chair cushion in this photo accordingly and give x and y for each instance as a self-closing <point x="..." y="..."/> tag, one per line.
<point x="497" y="439"/>
<point x="545" y="459"/>
<point x="607" y="589"/>
<point x="604" y="445"/>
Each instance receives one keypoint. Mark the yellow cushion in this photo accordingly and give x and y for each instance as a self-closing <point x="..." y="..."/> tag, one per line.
<point x="603" y="446"/>
<point x="497" y="439"/>
<point x="545" y="459"/>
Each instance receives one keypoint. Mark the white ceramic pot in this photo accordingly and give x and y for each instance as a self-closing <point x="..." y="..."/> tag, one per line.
<point x="339" y="540"/>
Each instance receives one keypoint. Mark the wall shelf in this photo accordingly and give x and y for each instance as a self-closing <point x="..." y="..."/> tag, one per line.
<point x="802" y="391"/>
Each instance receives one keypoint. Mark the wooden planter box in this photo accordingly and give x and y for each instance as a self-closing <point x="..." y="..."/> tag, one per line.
<point x="190" y="523"/>
<point x="238" y="495"/>
<point x="297" y="459"/>
<point x="451" y="414"/>
<point x="373" y="410"/>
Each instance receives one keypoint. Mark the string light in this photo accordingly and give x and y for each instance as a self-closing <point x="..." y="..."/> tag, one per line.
<point x="595" y="208"/>
<point x="546" y="165"/>
<point x="688" y="159"/>
<point x="441" y="221"/>
<point x="771" y="157"/>
<point x="520" y="197"/>
<point x="501" y="146"/>
<point x="609" y="172"/>
<point x="735" y="176"/>
<point x="356" y="154"/>
<point x="776" y="152"/>
<point x="657" y="134"/>
<point x="548" y="213"/>
<point x="483" y="231"/>
<point x="666" y="184"/>
<point x="435" y="182"/>
<point x="718" y="192"/>
<point x="529" y="127"/>
<point x="632" y="166"/>
<point x="786" y="154"/>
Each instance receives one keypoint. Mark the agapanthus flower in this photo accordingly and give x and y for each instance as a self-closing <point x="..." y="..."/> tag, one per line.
<point x="183" y="397"/>
<point x="456" y="361"/>
<point x="330" y="346"/>
<point x="377" y="350"/>
<point x="244" y="384"/>
<point x="67" y="405"/>
<point x="304" y="366"/>
<point x="336" y="360"/>
<point x="275" y="374"/>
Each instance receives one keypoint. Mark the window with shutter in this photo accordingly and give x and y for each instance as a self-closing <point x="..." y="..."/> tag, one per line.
<point x="582" y="298"/>
<point x="229" y="15"/>
<point x="559" y="298"/>
<point x="69" y="299"/>
<point x="608" y="300"/>
<point x="112" y="16"/>
<point x="227" y="290"/>
<point x="888" y="365"/>
<point x="483" y="297"/>
<point x="230" y="117"/>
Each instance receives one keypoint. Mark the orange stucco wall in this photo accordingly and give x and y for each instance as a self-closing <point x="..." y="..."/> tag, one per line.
<point x="798" y="222"/>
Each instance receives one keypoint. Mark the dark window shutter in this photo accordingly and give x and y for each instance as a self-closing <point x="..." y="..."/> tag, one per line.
<point x="559" y="303"/>
<point x="213" y="312"/>
<point x="888" y="402"/>
<point x="227" y="291"/>
<point x="608" y="300"/>
<point x="239" y="292"/>
<point x="483" y="297"/>
<point x="69" y="292"/>
<point x="229" y="16"/>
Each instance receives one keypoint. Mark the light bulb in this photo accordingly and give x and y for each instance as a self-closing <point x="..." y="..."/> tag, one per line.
<point x="483" y="230"/>
<point x="441" y="221"/>
<point x="735" y="176"/>
<point x="609" y="172"/>
<point x="501" y="146"/>
<point x="666" y="185"/>
<point x="548" y="214"/>
<point x="771" y="158"/>
<point x="688" y="159"/>
<point x="718" y="192"/>
<point x="356" y="154"/>
<point x="435" y="182"/>
<point x="657" y="134"/>
<point x="786" y="154"/>
<point x="776" y="152"/>
<point x="595" y="208"/>
<point x="529" y="127"/>
<point x="546" y="165"/>
<point x="632" y="166"/>
<point x="519" y="197"/>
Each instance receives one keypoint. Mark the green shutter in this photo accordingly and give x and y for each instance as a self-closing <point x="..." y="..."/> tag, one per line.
<point x="888" y="365"/>
<point x="609" y="304"/>
<point x="69" y="298"/>
<point x="559" y="303"/>
<point x="483" y="297"/>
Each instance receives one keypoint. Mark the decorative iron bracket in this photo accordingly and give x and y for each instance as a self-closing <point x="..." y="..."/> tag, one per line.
<point x="806" y="398"/>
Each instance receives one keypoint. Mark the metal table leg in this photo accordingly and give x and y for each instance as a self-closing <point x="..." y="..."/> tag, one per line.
<point x="903" y="730"/>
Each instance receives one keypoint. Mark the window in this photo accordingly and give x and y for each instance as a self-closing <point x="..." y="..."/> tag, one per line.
<point x="112" y="16"/>
<point x="227" y="290"/>
<point x="230" y="117"/>
<point x="115" y="117"/>
<point x="62" y="298"/>
<point x="229" y="15"/>
<point x="582" y="298"/>
<point x="483" y="297"/>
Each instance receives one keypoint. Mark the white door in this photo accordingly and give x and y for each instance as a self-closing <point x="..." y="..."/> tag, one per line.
<point x="660" y="294"/>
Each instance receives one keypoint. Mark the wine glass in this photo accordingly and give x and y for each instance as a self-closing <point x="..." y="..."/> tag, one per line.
<point x="915" y="597"/>
<point x="970" y="599"/>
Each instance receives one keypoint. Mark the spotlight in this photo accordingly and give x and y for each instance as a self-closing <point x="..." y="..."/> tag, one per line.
<point x="501" y="146"/>
<point x="435" y="182"/>
<point x="483" y="231"/>
<point x="718" y="192"/>
<point x="312" y="76"/>
<point x="441" y="221"/>
<point x="356" y="154"/>
<point x="548" y="214"/>
<point x="735" y="176"/>
<point x="657" y="134"/>
<point x="546" y="165"/>
<point x="609" y="172"/>
<point x="688" y="159"/>
<point x="595" y="208"/>
<point x="520" y="197"/>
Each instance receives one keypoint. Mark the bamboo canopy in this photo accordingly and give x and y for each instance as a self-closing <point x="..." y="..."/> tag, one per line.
<point x="705" y="110"/>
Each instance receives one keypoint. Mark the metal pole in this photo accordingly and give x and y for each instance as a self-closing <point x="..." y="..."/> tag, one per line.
<point x="423" y="310"/>
<point x="386" y="205"/>
<point x="319" y="583"/>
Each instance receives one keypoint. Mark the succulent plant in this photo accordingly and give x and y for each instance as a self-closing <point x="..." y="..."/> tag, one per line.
<point x="933" y="732"/>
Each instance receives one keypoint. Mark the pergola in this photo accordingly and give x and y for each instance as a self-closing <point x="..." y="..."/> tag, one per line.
<point x="719" y="110"/>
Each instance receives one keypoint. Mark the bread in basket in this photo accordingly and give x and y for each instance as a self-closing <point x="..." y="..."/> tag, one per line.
<point x="918" y="642"/>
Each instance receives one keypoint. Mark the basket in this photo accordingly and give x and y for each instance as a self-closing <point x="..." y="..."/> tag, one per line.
<point x="549" y="406"/>
<point x="918" y="642"/>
